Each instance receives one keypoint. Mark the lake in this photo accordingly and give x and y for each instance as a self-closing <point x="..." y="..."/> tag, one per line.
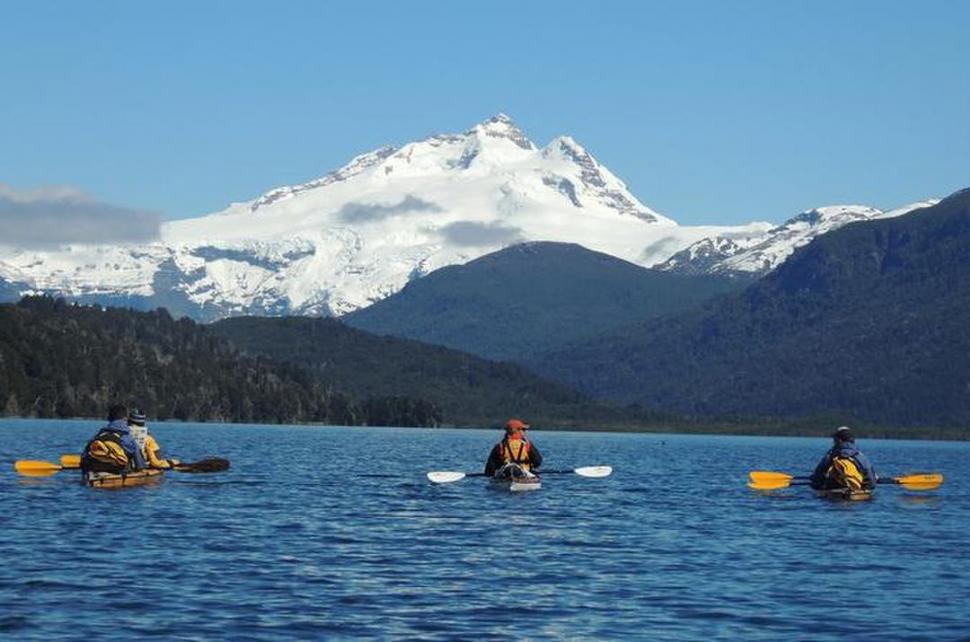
<point x="335" y="533"/>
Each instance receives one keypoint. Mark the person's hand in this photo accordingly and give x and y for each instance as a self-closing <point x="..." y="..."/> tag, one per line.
<point x="172" y="463"/>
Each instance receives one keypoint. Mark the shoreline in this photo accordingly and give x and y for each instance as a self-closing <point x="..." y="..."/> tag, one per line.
<point x="727" y="429"/>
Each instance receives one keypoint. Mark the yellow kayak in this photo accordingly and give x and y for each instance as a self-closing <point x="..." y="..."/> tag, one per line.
<point x="124" y="480"/>
<point x="846" y="494"/>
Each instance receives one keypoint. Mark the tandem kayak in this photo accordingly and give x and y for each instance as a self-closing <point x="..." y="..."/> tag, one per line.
<point x="514" y="478"/>
<point x="123" y="480"/>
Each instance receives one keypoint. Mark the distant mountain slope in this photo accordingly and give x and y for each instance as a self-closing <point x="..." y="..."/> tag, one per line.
<point x="531" y="298"/>
<point x="469" y="390"/>
<point x="60" y="360"/>
<point x="756" y="252"/>
<point x="868" y="321"/>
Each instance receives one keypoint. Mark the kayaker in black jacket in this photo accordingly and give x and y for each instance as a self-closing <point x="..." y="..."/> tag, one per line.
<point x="515" y="448"/>
<point x="844" y="465"/>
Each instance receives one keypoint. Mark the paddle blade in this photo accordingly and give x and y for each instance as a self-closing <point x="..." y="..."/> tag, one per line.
<point x="70" y="461"/>
<point x="445" y="477"/>
<point x="594" y="471"/>
<point x="768" y="476"/>
<point x="210" y="465"/>
<point x="920" y="481"/>
<point x="34" y="468"/>
<point x="768" y="484"/>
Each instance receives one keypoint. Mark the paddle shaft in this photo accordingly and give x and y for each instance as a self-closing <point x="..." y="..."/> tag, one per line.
<point x="32" y="468"/>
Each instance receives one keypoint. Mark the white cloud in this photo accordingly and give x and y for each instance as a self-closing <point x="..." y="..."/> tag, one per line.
<point x="57" y="215"/>
<point x="474" y="234"/>
<point x="369" y="213"/>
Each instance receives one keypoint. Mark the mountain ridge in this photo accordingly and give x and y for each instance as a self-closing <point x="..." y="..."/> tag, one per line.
<point x="528" y="298"/>
<point x="866" y="322"/>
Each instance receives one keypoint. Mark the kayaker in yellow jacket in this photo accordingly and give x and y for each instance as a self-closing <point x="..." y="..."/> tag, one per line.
<point x="515" y="448"/>
<point x="152" y="452"/>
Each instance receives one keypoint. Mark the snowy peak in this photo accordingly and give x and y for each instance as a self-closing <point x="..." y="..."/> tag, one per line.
<point x="834" y="215"/>
<point x="501" y="127"/>
<point x="597" y="182"/>
<point x="763" y="252"/>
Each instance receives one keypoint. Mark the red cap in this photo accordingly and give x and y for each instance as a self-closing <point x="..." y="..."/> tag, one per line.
<point x="515" y="424"/>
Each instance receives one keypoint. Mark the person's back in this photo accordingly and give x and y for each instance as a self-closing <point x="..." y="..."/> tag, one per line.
<point x="514" y="448"/>
<point x="844" y="465"/>
<point x="113" y="449"/>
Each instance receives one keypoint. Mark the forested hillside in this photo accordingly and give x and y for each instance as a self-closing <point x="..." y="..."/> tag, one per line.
<point x="867" y="322"/>
<point x="469" y="390"/>
<point x="531" y="298"/>
<point x="64" y="360"/>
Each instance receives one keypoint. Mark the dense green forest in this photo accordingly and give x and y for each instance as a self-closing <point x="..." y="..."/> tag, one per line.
<point x="531" y="298"/>
<point x="471" y="391"/>
<point x="867" y="323"/>
<point x="66" y="360"/>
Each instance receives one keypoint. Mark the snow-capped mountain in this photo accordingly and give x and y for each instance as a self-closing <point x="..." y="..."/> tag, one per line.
<point x="360" y="233"/>
<point x="757" y="252"/>
<point x="363" y="231"/>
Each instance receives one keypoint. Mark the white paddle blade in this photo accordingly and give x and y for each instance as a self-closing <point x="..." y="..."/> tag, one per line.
<point x="594" y="471"/>
<point x="445" y="477"/>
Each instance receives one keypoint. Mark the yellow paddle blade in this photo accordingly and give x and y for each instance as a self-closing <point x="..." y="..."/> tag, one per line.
<point x="768" y="484"/>
<point x="71" y="461"/>
<point x="769" y="476"/>
<point x="920" y="481"/>
<point x="34" y="468"/>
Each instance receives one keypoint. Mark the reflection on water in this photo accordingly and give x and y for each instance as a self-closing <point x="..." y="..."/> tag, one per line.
<point x="334" y="533"/>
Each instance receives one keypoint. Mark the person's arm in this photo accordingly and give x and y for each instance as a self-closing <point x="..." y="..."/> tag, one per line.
<point x="868" y="471"/>
<point x="494" y="461"/>
<point x="818" y="477"/>
<point x="154" y="454"/>
<point x="535" y="457"/>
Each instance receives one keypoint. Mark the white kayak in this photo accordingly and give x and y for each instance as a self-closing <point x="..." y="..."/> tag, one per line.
<point x="515" y="478"/>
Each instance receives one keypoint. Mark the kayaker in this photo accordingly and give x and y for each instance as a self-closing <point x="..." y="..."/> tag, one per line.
<point x="113" y="449"/>
<point x="515" y="448"/>
<point x="137" y="424"/>
<point x="844" y="465"/>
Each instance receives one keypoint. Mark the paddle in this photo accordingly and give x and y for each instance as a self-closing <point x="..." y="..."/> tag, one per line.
<point x="208" y="465"/>
<point x="445" y="477"/>
<point x="772" y="480"/>
<point x="36" y="468"/>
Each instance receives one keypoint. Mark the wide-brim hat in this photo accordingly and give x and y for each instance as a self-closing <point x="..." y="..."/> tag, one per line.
<point x="516" y="424"/>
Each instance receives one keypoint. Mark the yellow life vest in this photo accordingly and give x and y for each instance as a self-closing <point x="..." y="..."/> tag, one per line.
<point x="516" y="451"/>
<point x="846" y="473"/>
<point x="108" y="452"/>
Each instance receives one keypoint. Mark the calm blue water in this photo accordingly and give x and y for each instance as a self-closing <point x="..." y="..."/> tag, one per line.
<point x="297" y="542"/>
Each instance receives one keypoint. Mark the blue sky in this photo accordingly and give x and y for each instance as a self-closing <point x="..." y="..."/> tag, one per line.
<point x="712" y="112"/>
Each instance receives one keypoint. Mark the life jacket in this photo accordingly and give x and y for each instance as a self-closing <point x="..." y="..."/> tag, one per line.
<point x="105" y="453"/>
<point x="843" y="472"/>
<point x="516" y="451"/>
